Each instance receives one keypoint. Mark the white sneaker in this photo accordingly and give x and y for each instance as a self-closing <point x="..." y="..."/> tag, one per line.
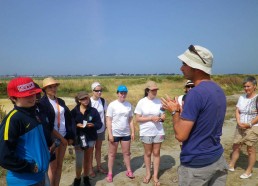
<point x="231" y="169"/>
<point x="245" y="176"/>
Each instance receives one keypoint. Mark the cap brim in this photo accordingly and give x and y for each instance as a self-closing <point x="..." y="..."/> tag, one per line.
<point x="28" y="93"/>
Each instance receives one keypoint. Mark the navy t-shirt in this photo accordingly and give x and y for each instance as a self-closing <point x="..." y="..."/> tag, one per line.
<point x="205" y="104"/>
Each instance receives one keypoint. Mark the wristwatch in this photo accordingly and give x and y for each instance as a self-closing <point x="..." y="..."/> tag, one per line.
<point x="250" y="124"/>
<point x="174" y="112"/>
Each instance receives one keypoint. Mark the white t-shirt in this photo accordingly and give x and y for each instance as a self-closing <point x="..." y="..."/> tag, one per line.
<point x="62" y="129"/>
<point x="120" y="113"/>
<point x="97" y="104"/>
<point x="146" y="107"/>
<point x="180" y="100"/>
<point x="247" y="108"/>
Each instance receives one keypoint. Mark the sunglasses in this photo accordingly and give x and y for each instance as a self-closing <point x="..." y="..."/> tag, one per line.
<point x="192" y="49"/>
<point x="97" y="90"/>
<point x="189" y="86"/>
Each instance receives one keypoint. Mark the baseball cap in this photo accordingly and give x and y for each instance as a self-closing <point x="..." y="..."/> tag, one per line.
<point x="49" y="81"/>
<point x="22" y="87"/>
<point x="82" y="95"/>
<point x="94" y="85"/>
<point x="202" y="61"/>
<point x="122" y="88"/>
<point x="151" y="85"/>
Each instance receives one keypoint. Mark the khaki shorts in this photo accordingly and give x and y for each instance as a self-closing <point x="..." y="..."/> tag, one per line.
<point x="248" y="137"/>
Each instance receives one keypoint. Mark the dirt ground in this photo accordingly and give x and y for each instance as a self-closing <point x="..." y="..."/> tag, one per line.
<point x="170" y="152"/>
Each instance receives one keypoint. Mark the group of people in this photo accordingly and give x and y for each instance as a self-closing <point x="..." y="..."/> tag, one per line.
<point x="35" y="134"/>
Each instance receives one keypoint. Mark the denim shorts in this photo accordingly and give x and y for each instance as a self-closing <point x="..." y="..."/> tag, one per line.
<point x="91" y="143"/>
<point x="122" y="138"/>
<point x="152" y="139"/>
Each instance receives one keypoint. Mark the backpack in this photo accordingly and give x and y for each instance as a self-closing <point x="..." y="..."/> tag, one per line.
<point x="256" y="103"/>
<point x="103" y="102"/>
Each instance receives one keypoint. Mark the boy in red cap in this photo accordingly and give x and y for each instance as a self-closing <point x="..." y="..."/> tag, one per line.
<point x="24" y="151"/>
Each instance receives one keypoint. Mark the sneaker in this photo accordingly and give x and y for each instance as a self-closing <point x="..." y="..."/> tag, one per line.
<point x="86" y="181"/>
<point x="77" y="182"/>
<point x="231" y="169"/>
<point x="245" y="176"/>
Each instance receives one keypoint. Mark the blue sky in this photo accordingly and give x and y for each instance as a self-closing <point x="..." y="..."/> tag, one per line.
<point x="59" y="37"/>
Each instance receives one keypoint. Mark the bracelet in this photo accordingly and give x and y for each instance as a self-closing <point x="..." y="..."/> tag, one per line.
<point x="174" y="112"/>
<point x="250" y="124"/>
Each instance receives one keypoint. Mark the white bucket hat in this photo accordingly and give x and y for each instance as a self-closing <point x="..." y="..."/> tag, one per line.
<point x="203" y="61"/>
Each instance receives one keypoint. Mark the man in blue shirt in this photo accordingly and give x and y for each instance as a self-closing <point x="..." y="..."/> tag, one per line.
<point x="199" y="124"/>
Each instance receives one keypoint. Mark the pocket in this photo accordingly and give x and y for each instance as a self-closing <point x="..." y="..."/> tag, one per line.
<point x="255" y="129"/>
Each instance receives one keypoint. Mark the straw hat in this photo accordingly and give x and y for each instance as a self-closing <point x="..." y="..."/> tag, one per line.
<point x="49" y="81"/>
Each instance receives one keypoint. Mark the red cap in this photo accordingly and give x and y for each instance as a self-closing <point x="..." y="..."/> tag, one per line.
<point x="22" y="87"/>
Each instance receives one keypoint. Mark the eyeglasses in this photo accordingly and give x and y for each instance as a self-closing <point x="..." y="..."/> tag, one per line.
<point x="97" y="90"/>
<point x="192" y="49"/>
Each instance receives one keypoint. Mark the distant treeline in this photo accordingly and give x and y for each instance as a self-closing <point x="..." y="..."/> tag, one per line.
<point x="91" y="75"/>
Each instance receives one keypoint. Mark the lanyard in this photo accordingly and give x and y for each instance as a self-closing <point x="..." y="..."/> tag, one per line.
<point x="58" y="115"/>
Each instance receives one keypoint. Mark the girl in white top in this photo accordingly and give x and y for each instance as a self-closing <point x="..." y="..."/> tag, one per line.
<point x="101" y="105"/>
<point x="247" y="126"/>
<point x="120" y="129"/>
<point x="149" y="114"/>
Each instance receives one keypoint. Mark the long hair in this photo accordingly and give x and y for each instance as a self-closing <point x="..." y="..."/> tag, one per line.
<point x="146" y="92"/>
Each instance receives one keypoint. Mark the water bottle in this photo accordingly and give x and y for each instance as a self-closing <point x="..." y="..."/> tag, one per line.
<point x="161" y="112"/>
<point x="83" y="141"/>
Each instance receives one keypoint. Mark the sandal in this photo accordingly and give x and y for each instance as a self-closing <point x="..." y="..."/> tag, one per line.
<point x="92" y="174"/>
<point x="156" y="183"/>
<point x="101" y="170"/>
<point x="146" y="180"/>
<point x="109" y="177"/>
<point x="129" y="174"/>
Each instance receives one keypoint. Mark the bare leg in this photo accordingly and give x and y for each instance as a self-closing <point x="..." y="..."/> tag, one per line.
<point x="127" y="154"/>
<point x="156" y="161"/>
<point x="251" y="159"/>
<point x="51" y="172"/>
<point x="112" y="149"/>
<point x="98" y="146"/>
<point x="87" y="161"/>
<point x="235" y="155"/>
<point x="147" y="159"/>
<point x="55" y="168"/>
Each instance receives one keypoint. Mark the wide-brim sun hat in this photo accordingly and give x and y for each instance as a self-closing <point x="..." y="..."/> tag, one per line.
<point x="194" y="61"/>
<point x="122" y="88"/>
<point x="22" y="87"/>
<point x="151" y="85"/>
<point x="49" y="81"/>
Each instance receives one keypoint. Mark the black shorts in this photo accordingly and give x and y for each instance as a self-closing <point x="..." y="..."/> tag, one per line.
<point x="122" y="138"/>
